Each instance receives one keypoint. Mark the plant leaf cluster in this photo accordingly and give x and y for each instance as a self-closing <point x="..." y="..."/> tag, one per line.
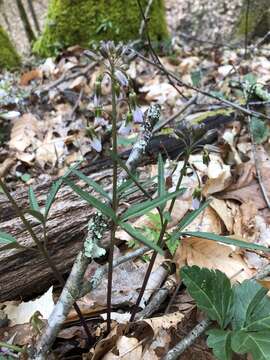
<point x="241" y="311"/>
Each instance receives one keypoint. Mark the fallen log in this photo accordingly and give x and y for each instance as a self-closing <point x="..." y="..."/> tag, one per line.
<point x="24" y="274"/>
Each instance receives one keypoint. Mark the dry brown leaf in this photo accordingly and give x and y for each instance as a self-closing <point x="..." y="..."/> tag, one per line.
<point x="25" y="132"/>
<point x="246" y="188"/>
<point x="224" y="212"/>
<point x="27" y="77"/>
<point x="126" y="348"/>
<point x="212" y="255"/>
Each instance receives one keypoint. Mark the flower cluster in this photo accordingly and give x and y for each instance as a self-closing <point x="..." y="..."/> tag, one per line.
<point x="116" y="57"/>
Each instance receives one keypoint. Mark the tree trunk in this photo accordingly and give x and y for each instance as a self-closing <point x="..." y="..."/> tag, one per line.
<point x="254" y="19"/>
<point x="34" y="15"/>
<point x="9" y="58"/>
<point x="26" y="24"/>
<point x="83" y="22"/>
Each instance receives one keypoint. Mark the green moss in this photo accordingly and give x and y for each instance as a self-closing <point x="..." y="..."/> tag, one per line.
<point x="9" y="59"/>
<point x="258" y="23"/>
<point x="82" y="22"/>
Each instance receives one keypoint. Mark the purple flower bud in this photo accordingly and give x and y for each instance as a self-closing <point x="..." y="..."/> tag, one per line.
<point x="121" y="77"/>
<point x="125" y="128"/>
<point x="96" y="144"/>
<point x="100" y="121"/>
<point x="137" y="115"/>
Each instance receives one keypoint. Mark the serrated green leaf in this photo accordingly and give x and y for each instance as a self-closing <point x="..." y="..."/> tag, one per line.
<point x="104" y="209"/>
<point x="256" y="343"/>
<point x="33" y="200"/>
<point x="211" y="289"/>
<point x="146" y="206"/>
<point x="136" y="234"/>
<point x="260" y="130"/>
<point x="6" y="238"/>
<point x="92" y="183"/>
<point x="244" y="296"/>
<point x="226" y="240"/>
<point x="251" y="307"/>
<point x="161" y="180"/>
<point x="220" y="342"/>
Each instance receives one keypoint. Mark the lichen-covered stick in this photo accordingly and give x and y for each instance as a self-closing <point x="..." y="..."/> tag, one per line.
<point x="75" y="288"/>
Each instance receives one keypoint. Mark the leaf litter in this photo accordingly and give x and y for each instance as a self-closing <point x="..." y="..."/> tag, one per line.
<point x="50" y="136"/>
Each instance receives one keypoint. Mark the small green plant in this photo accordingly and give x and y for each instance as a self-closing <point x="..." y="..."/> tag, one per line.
<point x="241" y="312"/>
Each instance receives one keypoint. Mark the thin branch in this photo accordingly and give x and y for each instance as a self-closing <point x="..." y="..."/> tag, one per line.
<point x="197" y="331"/>
<point x="145" y="17"/>
<point x="203" y="92"/>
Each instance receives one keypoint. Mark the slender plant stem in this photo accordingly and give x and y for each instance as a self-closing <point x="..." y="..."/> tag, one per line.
<point x="42" y="249"/>
<point x="160" y="243"/>
<point x="114" y="199"/>
<point x="11" y="347"/>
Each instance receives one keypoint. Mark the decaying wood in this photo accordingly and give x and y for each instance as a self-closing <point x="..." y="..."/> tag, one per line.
<point x="25" y="273"/>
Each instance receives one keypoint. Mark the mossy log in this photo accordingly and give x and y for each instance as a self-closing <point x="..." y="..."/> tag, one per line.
<point x="258" y="20"/>
<point x="9" y="58"/>
<point x="83" y="22"/>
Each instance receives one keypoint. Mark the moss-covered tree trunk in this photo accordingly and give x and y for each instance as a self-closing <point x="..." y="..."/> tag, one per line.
<point x="82" y="22"/>
<point x="255" y="17"/>
<point x="9" y="58"/>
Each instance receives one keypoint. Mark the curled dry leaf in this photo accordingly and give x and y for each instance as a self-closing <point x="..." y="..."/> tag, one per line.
<point x="212" y="255"/>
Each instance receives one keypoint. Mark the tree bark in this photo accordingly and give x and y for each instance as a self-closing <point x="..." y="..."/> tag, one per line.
<point x="24" y="274"/>
<point x="26" y="24"/>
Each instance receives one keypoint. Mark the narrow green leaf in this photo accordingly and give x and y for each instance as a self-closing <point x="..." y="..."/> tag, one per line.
<point x="211" y="289"/>
<point x="161" y="180"/>
<point x="33" y="200"/>
<point x="256" y="343"/>
<point x="146" y="206"/>
<point x="226" y="240"/>
<point x="92" y="183"/>
<point x="37" y="215"/>
<point x="51" y="195"/>
<point x="136" y="234"/>
<point x="104" y="209"/>
<point x="188" y="218"/>
<point x="220" y="342"/>
<point x="55" y="188"/>
<point x="6" y="238"/>
<point x="126" y="184"/>
<point x="13" y="245"/>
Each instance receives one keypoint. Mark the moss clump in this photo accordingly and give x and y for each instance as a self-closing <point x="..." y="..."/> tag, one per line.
<point x="9" y="58"/>
<point x="258" y="21"/>
<point x="82" y="22"/>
